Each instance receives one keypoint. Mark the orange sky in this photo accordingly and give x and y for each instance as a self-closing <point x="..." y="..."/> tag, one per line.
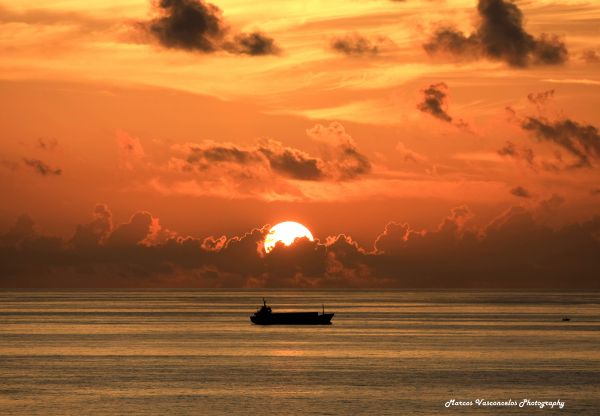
<point x="334" y="114"/>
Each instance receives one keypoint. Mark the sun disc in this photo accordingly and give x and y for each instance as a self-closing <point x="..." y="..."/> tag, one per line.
<point x="286" y="232"/>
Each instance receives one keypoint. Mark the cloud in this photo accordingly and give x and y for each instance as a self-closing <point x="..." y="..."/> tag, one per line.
<point x="269" y="156"/>
<point x="188" y="24"/>
<point x="398" y="238"/>
<point x="581" y="141"/>
<point x="340" y="159"/>
<point x="346" y="159"/>
<point x="23" y="229"/>
<point x="129" y="146"/>
<point x="590" y="56"/>
<point x="130" y="149"/>
<point x="197" y="26"/>
<point x="49" y="143"/>
<point x="540" y="98"/>
<point x="255" y="43"/>
<point x="527" y="156"/>
<point x="292" y="163"/>
<point x="510" y="149"/>
<point x="453" y="42"/>
<point x="133" y="232"/>
<point x="95" y="232"/>
<point x="42" y="168"/>
<point x="434" y="101"/>
<point x="513" y="246"/>
<point x="514" y="250"/>
<point x="520" y="192"/>
<point x="499" y="36"/>
<point x="354" y="44"/>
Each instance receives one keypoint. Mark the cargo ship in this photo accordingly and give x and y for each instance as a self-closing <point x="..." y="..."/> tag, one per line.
<point x="265" y="316"/>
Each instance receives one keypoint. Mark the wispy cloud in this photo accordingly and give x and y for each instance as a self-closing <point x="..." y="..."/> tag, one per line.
<point x="42" y="168"/>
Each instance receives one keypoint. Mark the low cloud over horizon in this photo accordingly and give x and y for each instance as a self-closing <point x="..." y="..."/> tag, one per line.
<point x="511" y="251"/>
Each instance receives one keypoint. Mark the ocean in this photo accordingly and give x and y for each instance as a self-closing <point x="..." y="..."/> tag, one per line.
<point x="195" y="352"/>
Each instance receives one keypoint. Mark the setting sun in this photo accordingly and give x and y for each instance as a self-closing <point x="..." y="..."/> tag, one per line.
<point x="286" y="232"/>
<point x="233" y="207"/>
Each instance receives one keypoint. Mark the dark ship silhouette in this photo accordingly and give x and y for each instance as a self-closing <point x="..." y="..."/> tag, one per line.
<point x="264" y="316"/>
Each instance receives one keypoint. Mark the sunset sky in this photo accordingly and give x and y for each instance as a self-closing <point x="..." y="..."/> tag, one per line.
<point x="424" y="143"/>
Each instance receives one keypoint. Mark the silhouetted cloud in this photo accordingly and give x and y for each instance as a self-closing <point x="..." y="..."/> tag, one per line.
<point x="434" y="101"/>
<point x="454" y="42"/>
<point x="520" y="192"/>
<point x="292" y="162"/>
<point x="499" y="36"/>
<point x="195" y="25"/>
<point x="47" y="143"/>
<point x="133" y="232"/>
<point x="255" y="43"/>
<point x="341" y="159"/>
<point x="23" y="229"/>
<point x="188" y="24"/>
<point x="270" y="155"/>
<point x="397" y="238"/>
<point x="524" y="153"/>
<point x="41" y="167"/>
<point x="354" y="44"/>
<point x="581" y="141"/>
<point x="540" y="98"/>
<point x="95" y="232"/>
<point x="514" y="250"/>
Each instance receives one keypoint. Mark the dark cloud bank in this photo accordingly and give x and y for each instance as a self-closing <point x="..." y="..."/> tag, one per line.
<point x="500" y="36"/>
<point x="512" y="251"/>
<point x="197" y="26"/>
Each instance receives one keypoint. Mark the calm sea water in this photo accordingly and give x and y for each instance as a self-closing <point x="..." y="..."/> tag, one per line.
<point x="387" y="353"/>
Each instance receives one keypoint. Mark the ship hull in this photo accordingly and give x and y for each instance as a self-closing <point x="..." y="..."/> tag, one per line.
<point x="299" y="318"/>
